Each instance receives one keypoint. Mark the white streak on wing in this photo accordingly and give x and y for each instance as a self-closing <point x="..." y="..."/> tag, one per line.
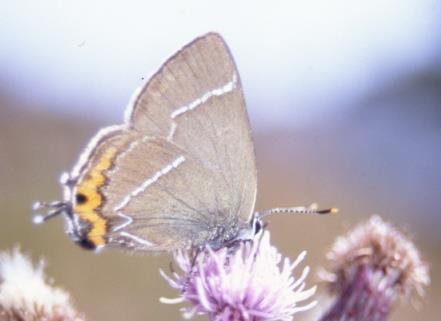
<point x="137" y="239"/>
<point x="122" y="155"/>
<point x="128" y="221"/>
<point x="172" y="132"/>
<point x="229" y="86"/>
<point x="178" y="161"/>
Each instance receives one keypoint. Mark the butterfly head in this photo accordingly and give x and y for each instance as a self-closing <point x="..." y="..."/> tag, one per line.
<point x="249" y="231"/>
<point x="257" y="224"/>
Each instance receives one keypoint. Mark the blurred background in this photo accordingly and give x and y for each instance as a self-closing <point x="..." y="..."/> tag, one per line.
<point x="344" y="99"/>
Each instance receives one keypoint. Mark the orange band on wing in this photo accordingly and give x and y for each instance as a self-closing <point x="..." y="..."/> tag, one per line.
<point x="89" y="187"/>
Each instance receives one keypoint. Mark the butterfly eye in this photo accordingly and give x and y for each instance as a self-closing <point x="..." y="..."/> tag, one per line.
<point x="257" y="226"/>
<point x="80" y="198"/>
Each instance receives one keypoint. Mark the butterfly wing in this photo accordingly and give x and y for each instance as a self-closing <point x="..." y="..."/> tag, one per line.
<point x="188" y="175"/>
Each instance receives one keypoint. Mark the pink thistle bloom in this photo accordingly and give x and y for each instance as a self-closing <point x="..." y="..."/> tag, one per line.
<point x="249" y="281"/>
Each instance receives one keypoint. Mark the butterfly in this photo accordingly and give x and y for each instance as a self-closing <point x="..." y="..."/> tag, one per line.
<point x="180" y="172"/>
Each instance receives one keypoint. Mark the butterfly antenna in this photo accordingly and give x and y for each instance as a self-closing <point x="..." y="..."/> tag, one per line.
<point x="53" y="209"/>
<point x="312" y="209"/>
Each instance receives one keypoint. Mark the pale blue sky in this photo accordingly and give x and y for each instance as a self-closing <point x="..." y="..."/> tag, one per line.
<point x="302" y="59"/>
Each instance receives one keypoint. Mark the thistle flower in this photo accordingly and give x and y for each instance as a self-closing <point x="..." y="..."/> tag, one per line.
<point x="373" y="266"/>
<point x="26" y="296"/>
<point x="250" y="281"/>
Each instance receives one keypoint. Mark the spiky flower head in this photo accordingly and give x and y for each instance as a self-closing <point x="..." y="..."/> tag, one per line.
<point x="372" y="266"/>
<point x="26" y="296"/>
<point x="250" y="281"/>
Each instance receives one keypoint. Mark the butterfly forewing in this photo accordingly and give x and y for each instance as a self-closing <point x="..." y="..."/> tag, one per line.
<point x="188" y="173"/>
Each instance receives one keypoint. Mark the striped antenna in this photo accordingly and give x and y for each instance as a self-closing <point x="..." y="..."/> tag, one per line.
<point x="312" y="209"/>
